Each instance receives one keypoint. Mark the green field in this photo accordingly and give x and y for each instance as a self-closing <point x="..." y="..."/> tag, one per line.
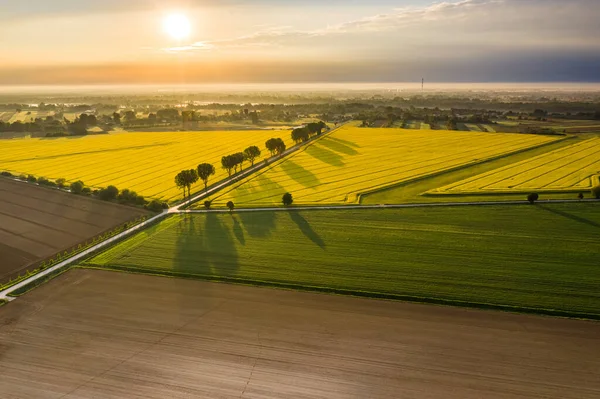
<point x="541" y="256"/>
<point x="352" y="161"/>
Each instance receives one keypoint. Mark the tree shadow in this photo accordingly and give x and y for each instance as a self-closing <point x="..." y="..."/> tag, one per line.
<point x="338" y="146"/>
<point x="306" y="228"/>
<point x="219" y="247"/>
<point x="342" y="141"/>
<point x="257" y="189"/>
<point x="569" y="216"/>
<point x="299" y="174"/>
<point x="325" y="155"/>
<point x="258" y="224"/>
<point x="189" y="244"/>
<point x="238" y="231"/>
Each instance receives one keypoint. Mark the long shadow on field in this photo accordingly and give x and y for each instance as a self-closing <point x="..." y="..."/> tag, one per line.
<point x="325" y="155"/>
<point x="219" y="246"/>
<point x="570" y="216"/>
<point x="257" y="190"/>
<point x="338" y="146"/>
<point x="258" y="224"/>
<point x="188" y="256"/>
<point x="238" y="231"/>
<point x="306" y="228"/>
<point x="299" y="174"/>
<point x="342" y="141"/>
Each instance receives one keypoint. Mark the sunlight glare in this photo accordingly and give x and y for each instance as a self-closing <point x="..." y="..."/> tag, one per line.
<point x="177" y="26"/>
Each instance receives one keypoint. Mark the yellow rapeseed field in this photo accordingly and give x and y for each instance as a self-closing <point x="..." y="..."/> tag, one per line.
<point x="353" y="160"/>
<point x="572" y="168"/>
<point x="144" y="162"/>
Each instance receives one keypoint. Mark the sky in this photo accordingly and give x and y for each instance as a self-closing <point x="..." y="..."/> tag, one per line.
<point x="278" y="41"/>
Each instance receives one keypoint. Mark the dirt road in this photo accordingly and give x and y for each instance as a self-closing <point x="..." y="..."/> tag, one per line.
<point x="90" y="334"/>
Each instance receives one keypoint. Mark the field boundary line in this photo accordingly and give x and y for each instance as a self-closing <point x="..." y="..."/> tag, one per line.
<point x="387" y="206"/>
<point x="347" y="292"/>
<point x="456" y="168"/>
<point x="6" y="293"/>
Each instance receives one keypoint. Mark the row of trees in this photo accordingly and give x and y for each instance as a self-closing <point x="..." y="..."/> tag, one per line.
<point x="188" y="177"/>
<point x="110" y="193"/>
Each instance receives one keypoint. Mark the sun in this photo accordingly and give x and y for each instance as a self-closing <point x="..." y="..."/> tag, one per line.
<point x="177" y="26"/>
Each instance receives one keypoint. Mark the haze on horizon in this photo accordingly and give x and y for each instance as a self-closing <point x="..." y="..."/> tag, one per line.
<point x="68" y="42"/>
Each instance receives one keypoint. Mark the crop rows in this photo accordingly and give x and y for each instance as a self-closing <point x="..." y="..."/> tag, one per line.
<point x="570" y="168"/>
<point x="143" y="162"/>
<point x="352" y="160"/>
<point x="515" y="256"/>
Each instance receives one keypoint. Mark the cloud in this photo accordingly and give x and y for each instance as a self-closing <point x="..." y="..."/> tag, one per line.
<point x="192" y="47"/>
<point x="463" y="27"/>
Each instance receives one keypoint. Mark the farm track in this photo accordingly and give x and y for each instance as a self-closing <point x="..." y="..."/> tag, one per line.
<point x="179" y="208"/>
<point x="5" y="294"/>
<point x="37" y="223"/>
<point x="383" y="206"/>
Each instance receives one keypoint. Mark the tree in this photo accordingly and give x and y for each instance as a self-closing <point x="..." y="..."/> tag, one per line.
<point x="227" y="163"/>
<point x="77" y="187"/>
<point x="596" y="192"/>
<point x="287" y="199"/>
<point x="279" y="147"/>
<point x="130" y="197"/>
<point x="532" y="197"/>
<point x="205" y="170"/>
<point x="300" y="134"/>
<point x="192" y="178"/>
<point x="60" y="182"/>
<point x="230" y="205"/>
<point x="238" y="159"/>
<point x="155" y="206"/>
<point x="580" y="196"/>
<point x="207" y="204"/>
<point x="251" y="153"/>
<point x="116" y="117"/>
<point x="180" y="181"/>
<point x="88" y="120"/>
<point x="188" y="116"/>
<point x="130" y="116"/>
<point x="316" y="127"/>
<point x="271" y="145"/>
<point x="185" y="179"/>
<point x="109" y="193"/>
<point x="168" y="114"/>
<point x="254" y="117"/>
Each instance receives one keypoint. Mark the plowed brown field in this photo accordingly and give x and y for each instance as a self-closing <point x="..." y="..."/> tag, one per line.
<point x="100" y="334"/>
<point x="37" y="222"/>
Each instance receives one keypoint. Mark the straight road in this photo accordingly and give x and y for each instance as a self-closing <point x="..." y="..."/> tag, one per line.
<point x="384" y="206"/>
<point x="4" y="294"/>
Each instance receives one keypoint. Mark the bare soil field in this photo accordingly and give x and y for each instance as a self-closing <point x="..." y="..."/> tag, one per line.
<point x="101" y="334"/>
<point x="37" y="222"/>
